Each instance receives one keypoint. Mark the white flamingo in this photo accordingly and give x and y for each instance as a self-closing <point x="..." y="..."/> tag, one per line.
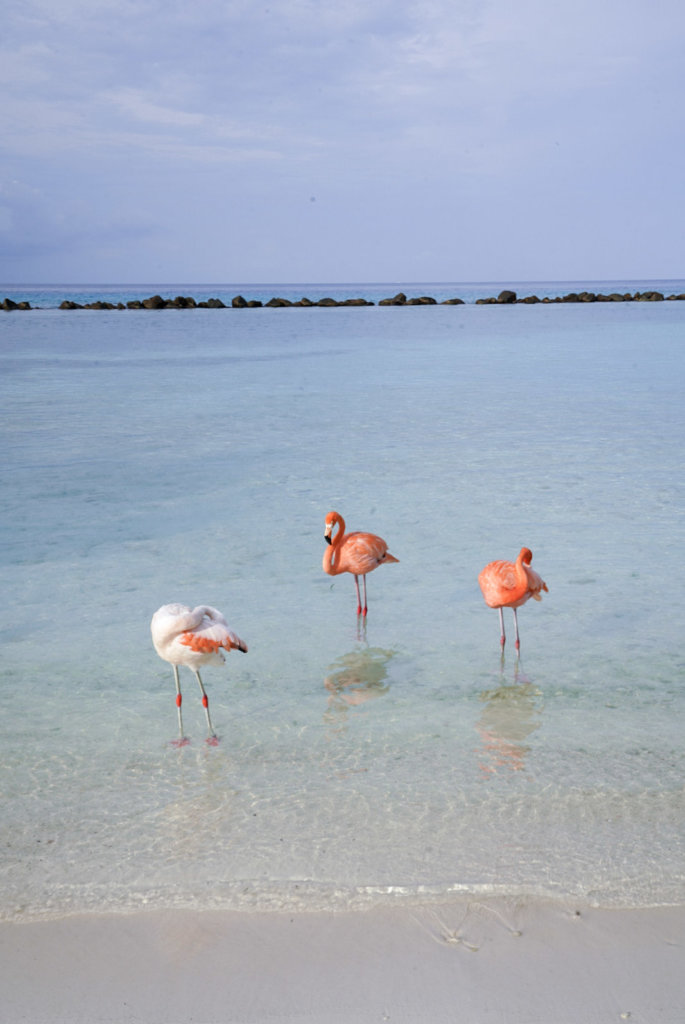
<point x="193" y="637"/>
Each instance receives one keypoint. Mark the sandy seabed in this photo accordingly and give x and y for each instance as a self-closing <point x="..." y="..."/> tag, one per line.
<point x="478" y="961"/>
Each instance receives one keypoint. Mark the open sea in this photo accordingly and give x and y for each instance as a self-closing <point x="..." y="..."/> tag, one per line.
<point x="150" y="457"/>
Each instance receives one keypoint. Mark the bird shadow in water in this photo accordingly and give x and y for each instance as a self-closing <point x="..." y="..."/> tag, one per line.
<point x="353" y="680"/>
<point x="512" y="712"/>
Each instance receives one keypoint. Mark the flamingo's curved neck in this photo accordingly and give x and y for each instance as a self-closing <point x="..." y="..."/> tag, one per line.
<point x="330" y="560"/>
<point x="522" y="575"/>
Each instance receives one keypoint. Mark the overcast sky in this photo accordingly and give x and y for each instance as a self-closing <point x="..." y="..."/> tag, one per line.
<point x="341" y="140"/>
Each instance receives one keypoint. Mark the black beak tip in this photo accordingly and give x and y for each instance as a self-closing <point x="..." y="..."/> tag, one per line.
<point x="327" y="539"/>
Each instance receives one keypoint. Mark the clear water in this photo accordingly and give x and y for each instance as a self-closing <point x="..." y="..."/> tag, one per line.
<point x="157" y="457"/>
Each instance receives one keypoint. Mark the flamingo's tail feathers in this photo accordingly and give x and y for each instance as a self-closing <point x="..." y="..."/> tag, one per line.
<point x="234" y="643"/>
<point x="390" y="558"/>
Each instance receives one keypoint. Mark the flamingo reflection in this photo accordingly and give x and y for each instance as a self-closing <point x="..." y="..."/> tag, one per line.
<point x="353" y="680"/>
<point x="511" y="714"/>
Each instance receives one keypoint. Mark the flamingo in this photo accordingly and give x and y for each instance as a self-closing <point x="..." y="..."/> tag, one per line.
<point x="192" y="637"/>
<point x="509" y="585"/>
<point x="358" y="553"/>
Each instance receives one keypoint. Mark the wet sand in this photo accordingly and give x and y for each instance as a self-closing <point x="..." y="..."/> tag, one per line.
<point x="481" y="962"/>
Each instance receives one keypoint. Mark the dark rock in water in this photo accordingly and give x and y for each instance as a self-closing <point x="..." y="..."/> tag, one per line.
<point x="505" y="297"/>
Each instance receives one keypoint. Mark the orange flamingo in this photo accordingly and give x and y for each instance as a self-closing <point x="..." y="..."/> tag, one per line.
<point x="193" y="637"/>
<point x="358" y="553"/>
<point x="509" y="585"/>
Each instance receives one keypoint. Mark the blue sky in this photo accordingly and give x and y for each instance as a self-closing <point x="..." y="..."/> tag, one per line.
<point x="341" y="141"/>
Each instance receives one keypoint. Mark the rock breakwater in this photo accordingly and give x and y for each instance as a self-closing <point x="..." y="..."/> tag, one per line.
<point x="505" y="298"/>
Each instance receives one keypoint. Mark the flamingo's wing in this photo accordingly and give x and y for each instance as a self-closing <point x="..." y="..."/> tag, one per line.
<point x="212" y="633"/>
<point x="498" y="582"/>
<point x="362" y="552"/>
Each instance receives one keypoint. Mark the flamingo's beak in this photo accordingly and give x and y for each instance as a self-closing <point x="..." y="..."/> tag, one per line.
<point x="327" y="538"/>
<point x="327" y="533"/>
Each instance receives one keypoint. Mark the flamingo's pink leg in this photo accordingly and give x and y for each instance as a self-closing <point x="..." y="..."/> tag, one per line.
<point x="359" y="600"/>
<point x="182" y="740"/>
<point x="212" y="737"/>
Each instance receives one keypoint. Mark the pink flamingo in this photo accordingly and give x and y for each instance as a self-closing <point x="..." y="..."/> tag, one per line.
<point x="192" y="637"/>
<point x="509" y="585"/>
<point x="358" y="553"/>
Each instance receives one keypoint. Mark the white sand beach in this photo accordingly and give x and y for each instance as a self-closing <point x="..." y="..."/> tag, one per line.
<point x="481" y="962"/>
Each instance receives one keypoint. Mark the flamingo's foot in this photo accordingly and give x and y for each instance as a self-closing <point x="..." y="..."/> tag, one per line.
<point x="212" y="741"/>
<point x="182" y="742"/>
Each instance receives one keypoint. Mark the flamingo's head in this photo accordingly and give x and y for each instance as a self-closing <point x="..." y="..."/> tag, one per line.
<point x="526" y="556"/>
<point x="331" y="519"/>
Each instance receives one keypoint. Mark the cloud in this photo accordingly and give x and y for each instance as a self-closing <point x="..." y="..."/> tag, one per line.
<point x="132" y="103"/>
<point x="296" y="69"/>
<point x="32" y="226"/>
<point x="245" y="106"/>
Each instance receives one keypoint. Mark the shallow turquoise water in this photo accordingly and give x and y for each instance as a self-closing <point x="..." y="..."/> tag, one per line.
<point x="192" y="457"/>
